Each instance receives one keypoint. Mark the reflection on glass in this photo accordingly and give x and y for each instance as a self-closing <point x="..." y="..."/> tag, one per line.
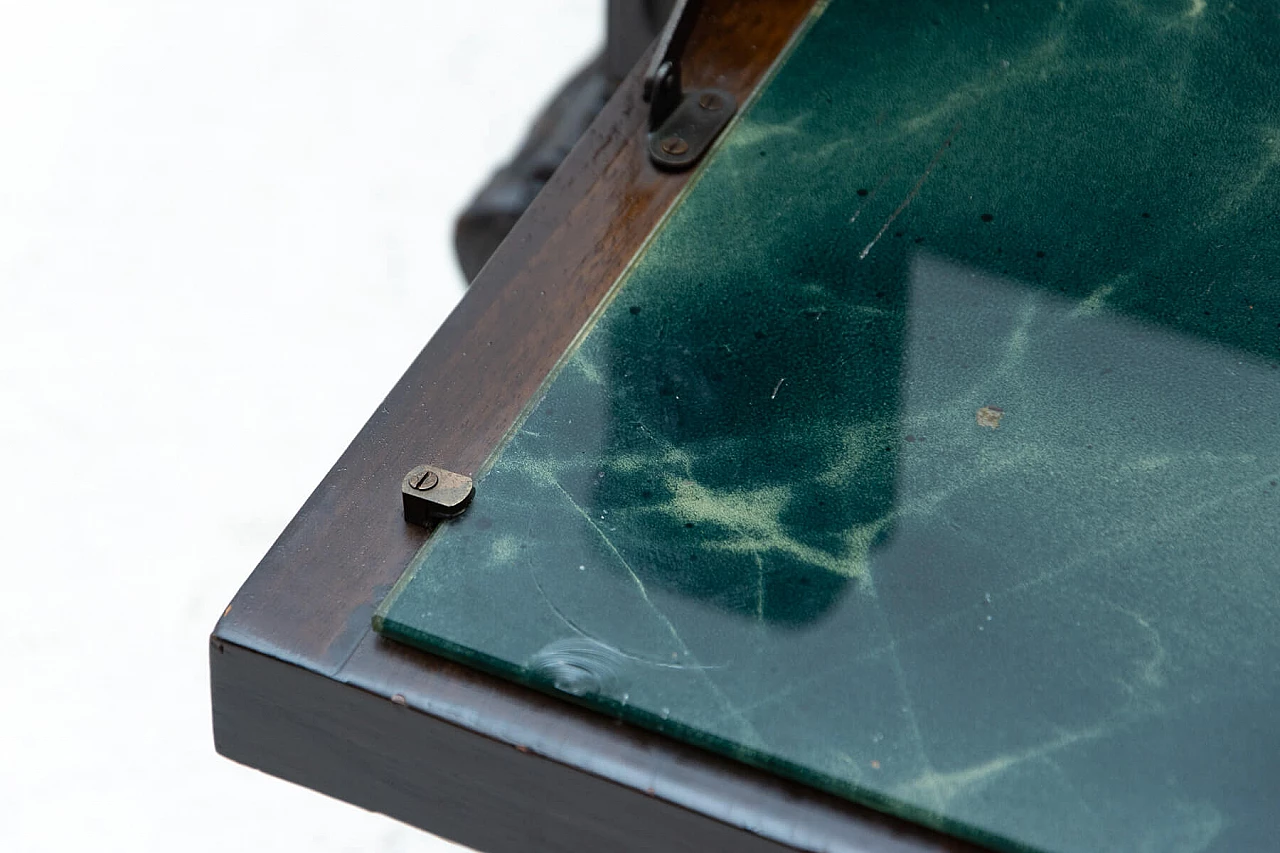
<point x="930" y="452"/>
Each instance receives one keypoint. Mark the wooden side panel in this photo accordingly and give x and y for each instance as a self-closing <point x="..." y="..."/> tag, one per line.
<point x="504" y="769"/>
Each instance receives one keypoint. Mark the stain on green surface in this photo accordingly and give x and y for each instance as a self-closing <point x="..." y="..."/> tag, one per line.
<point x="930" y="452"/>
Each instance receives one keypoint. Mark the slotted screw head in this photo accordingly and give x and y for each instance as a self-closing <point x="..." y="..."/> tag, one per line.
<point x="675" y="146"/>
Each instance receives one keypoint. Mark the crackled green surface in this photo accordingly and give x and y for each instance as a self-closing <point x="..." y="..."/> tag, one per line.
<point x="929" y="454"/>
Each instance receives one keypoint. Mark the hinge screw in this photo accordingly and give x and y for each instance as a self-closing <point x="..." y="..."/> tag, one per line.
<point x="710" y="101"/>
<point x="674" y="145"/>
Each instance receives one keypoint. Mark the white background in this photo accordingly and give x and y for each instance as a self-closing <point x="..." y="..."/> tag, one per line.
<point x="225" y="230"/>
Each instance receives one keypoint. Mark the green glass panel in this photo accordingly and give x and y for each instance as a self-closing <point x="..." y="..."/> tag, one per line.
<point x="929" y="453"/>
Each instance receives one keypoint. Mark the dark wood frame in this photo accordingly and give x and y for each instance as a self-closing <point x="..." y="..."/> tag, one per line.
<point x="303" y="689"/>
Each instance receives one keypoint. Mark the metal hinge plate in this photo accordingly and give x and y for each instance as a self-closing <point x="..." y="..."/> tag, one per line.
<point x="682" y="125"/>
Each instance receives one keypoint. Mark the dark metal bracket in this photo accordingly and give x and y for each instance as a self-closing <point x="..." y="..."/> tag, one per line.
<point x="682" y="125"/>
